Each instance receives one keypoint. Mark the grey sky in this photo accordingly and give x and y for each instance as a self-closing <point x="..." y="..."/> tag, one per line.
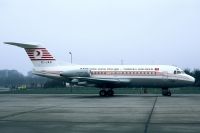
<point x="103" y="31"/>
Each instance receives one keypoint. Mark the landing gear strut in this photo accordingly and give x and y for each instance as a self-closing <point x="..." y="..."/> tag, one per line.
<point x="166" y="92"/>
<point x="104" y="92"/>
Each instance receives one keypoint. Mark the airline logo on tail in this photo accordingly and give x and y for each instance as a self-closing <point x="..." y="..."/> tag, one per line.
<point x="39" y="54"/>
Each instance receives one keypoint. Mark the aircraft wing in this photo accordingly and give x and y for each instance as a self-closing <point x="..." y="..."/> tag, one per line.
<point x="84" y="78"/>
<point x="104" y="82"/>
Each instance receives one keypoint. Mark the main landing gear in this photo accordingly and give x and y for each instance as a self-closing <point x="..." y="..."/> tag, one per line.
<point x="108" y="92"/>
<point x="166" y="92"/>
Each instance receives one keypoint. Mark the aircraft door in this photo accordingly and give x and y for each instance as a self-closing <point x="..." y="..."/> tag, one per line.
<point x="165" y="75"/>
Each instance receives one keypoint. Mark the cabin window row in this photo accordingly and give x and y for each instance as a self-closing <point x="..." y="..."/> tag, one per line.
<point x="122" y="73"/>
<point x="110" y="69"/>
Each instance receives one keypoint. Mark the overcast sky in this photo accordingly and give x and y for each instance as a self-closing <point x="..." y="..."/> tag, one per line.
<point x="103" y="31"/>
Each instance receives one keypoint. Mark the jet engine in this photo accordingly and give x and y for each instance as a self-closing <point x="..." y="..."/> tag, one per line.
<point x="76" y="73"/>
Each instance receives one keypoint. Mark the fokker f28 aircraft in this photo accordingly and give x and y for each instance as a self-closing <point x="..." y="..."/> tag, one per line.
<point x="106" y="77"/>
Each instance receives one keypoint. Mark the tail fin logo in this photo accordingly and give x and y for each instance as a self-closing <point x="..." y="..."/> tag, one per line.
<point x="39" y="54"/>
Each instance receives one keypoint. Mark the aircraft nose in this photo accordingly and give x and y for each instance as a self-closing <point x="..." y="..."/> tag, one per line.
<point x="191" y="79"/>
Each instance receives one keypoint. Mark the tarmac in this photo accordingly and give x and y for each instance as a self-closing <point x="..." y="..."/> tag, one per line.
<point x="61" y="113"/>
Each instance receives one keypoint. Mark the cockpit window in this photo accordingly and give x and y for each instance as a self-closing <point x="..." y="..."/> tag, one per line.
<point x="178" y="72"/>
<point x="182" y="72"/>
<point x="175" y="72"/>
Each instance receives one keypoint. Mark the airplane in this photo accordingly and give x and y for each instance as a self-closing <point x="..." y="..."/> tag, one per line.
<point x="106" y="77"/>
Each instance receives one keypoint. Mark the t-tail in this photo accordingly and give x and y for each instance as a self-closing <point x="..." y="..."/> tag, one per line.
<point x="39" y="55"/>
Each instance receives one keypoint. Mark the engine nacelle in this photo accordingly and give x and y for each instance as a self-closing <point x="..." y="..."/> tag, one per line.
<point x="76" y="73"/>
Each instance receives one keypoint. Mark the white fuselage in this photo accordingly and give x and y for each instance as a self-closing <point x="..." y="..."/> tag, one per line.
<point x="127" y="75"/>
<point x="105" y="76"/>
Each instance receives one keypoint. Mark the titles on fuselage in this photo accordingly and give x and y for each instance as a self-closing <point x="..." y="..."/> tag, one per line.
<point x="119" y="69"/>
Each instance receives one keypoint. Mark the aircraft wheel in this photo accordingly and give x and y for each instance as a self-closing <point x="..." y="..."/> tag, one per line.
<point x="102" y="93"/>
<point x="166" y="92"/>
<point x="110" y="93"/>
<point x="169" y="93"/>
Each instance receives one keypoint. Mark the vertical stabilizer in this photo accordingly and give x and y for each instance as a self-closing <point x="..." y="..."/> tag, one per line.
<point x="39" y="55"/>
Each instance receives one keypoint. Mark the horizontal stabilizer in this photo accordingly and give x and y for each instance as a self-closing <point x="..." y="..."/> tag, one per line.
<point x="23" y="45"/>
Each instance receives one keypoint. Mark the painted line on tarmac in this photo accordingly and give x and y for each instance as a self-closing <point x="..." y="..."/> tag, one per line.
<point x="24" y="112"/>
<point x="149" y="118"/>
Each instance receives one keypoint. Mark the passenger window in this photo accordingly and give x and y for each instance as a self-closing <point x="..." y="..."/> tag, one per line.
<point x="174" y="72"/>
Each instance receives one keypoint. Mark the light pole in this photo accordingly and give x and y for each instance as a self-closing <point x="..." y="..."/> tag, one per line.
<point x="71" y="63"/>
<point x="122" y="62"/>
<point x="71" y="56"/>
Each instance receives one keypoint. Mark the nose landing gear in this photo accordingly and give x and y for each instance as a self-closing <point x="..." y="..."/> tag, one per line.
<point x="166" y="92"/>
<point x="108" y="92"/>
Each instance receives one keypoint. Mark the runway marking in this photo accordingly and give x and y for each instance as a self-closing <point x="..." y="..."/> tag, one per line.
<point x="24" y="112"/>
<point x="149" y="118"/>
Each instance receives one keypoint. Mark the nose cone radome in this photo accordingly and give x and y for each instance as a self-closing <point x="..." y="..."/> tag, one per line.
<point x="191" y="79"/>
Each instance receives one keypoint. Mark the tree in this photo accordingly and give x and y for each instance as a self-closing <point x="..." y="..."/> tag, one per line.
<point x="54" y="84"/>
<point x="196" y="75"/>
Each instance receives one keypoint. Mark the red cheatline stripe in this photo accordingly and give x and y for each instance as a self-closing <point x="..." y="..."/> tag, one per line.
<point x="47" y="57"/>
<point x="30" y="54"/>
<point x="42" y="53"/>
<point x="34" y="48"/>
<point x="46" y="54"/>
<point x="41" y="59"/>
<point x="45" y="50"/>
<point x="29" y="50"/>
<point x="42" y="56"/>
<point x="32" y="57"/>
